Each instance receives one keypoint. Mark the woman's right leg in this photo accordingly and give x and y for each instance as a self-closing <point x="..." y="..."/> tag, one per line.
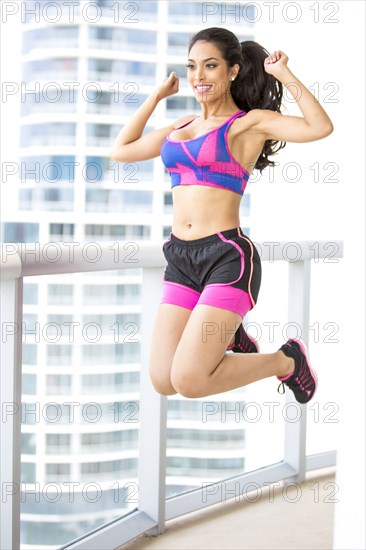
<point x="169" y="326"/>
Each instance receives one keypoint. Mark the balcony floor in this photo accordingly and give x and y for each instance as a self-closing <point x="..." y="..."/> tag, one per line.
<point x="305" y="523"/>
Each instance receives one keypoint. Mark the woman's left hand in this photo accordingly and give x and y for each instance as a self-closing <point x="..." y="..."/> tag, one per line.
<point x="275" y="63"/>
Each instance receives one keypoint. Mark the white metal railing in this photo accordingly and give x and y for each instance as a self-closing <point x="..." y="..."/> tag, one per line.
<point x="153" y="508"/>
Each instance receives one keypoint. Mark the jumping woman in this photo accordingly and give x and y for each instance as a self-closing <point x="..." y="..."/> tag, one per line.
<point x="213" y="272"/>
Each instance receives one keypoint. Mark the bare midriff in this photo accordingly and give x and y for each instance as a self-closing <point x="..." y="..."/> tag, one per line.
<point x="200" y="211"/>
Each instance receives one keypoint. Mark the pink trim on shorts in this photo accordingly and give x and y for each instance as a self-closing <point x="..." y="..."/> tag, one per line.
<point x="251" y="264"/>
<point x="179" y="295"/>
<point x="241" y="253"/>
<point x="226" y="297"/>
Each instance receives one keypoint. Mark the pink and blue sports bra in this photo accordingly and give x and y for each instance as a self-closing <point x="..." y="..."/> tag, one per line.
<point x="205" y="160"/>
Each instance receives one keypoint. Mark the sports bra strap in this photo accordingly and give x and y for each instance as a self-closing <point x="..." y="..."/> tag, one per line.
<point x="185" y="123"/>
<point x="235" y="115"/>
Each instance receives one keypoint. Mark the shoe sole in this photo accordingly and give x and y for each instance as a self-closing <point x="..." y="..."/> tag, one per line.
<point x="304" y="350"/>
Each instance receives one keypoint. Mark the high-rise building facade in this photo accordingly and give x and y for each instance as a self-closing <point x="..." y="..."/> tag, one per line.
<point x="87" y="66"/>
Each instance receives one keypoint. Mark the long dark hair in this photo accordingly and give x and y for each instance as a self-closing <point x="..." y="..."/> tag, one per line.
<point x="253" y="88"/>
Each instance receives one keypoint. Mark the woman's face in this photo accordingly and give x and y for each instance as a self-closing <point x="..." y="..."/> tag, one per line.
<point x="207" y="72"/>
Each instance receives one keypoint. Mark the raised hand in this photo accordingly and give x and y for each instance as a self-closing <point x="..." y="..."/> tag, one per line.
<point x="169" y="87"/>
<point x="275" y="63"/>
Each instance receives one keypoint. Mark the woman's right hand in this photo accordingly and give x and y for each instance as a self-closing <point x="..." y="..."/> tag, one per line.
<point x="169" y="87"/>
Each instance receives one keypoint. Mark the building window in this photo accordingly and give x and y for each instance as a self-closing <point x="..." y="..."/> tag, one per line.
<point x="29" y="384"/>
<point x="28" y="444"/>
<point x="60" y="294"/>
<point x="110" y="354"/>
<point x="123" y="38"/>
<point x="51" y="69"/>
<point x="28" y="472"/>
<point x="245" y="205"/>
<point x="30" y="293"/>
<point x="55" y="472"/>
<point x="121" y="440"/>
<point x="166" y="231"/>
<point x="118" y="232"/>
<point x="177" y="106"/>
<point x="205" y="439"/>
<point x="29" y="354"/>
<point x="114" y="468"/>
<point x="111" y="200"/>
<point x="105" y="321"/>
<point x="17" y="232"/>
<point x="168" y="203"/>
<point x="60" y="230"/>
<point x="52" y="133"/>
<point x="178" y="42"/>
<point x="59" y="101"/>
<point x="58" y="384"/>
<point x="110" y="383"/>
<point x="50" y="169"/>
<point x="59" y="354"/>
<point x="55" y="36"/>
<point x="58" y="444"/>
<point x="184" y="465"/>
<point x="129" y="294"/>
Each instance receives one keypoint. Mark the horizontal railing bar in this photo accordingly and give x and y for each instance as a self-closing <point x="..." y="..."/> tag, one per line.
<point x="114" y="534"/>
<point x="321" y="460"/>
<point x="11" y="268"/>
<point x="213" y="493"/>
<point x="54" y="258"/>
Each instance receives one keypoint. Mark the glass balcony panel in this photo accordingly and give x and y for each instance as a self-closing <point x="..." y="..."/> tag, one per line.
<point x="116" y="232"/>
<point x="326" y="351"/>
<point x="57" y="100"/>
<point x="178" y="106"/>
<point x="95" y="443"/>
<point x="112" y="382"/>
<point x="53" y="199"/>
<point x="51" y="70"/>
<point x="110" y="200"/>
<point x="58" y="384"/>
<point x="52" y="133"/>
<point x="215" y="13"/>
<point x="102" y="169"/>
<point x="178" y="43"/>
<point x="110" y="70"/>
<point x="56" y="36"/>
<point x="80" y="433"/>
<point x="58" y="444"/>
<point x="133" y="40"/>
<point x="223" y="435"/>
<point x="101" y="135"/>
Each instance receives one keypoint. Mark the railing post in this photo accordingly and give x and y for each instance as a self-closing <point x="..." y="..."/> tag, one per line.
<point x="153" y="413"/>
<point x="298" y="315"/>
<point x="10" y="422"/>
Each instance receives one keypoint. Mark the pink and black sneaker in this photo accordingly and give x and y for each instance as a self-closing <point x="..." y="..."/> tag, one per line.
<point x="243" y="342"/>
<point x="303" y="381"/>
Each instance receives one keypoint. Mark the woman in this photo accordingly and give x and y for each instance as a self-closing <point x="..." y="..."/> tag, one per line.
<point x="213" y="274"/>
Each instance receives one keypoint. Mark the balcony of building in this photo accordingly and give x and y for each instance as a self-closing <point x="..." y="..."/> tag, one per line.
<point x="285" y="503"/>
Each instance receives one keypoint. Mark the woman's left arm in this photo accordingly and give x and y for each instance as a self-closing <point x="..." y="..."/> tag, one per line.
<point x="315" y="123"/>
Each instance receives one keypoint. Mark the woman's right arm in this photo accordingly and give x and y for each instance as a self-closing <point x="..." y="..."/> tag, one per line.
<point x="129" y="146"/>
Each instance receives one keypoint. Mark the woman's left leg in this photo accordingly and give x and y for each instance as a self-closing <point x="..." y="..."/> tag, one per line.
<point x="201" y="366"/>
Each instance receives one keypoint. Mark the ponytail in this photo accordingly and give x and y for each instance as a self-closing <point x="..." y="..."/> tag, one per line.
<point x="253" y="88"/>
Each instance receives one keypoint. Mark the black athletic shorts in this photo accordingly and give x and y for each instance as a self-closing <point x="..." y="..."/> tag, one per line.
<point x="221" y="270"/>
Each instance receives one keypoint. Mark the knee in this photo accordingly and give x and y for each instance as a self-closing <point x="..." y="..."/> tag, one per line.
<point x="187" y="384"/>
<point x="161" y="384"/>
